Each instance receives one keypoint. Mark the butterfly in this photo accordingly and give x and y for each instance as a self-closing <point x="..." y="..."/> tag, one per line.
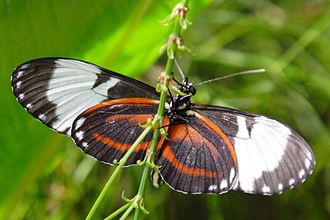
<point x="210" y="149"/>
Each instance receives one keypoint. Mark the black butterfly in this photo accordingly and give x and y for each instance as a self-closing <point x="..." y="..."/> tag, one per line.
<point x="211" y="149"/>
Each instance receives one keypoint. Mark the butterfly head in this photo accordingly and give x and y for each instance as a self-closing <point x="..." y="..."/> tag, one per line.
<point x="187" y="87"/>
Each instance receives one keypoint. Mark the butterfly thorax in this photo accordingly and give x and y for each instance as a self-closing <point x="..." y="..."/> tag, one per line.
<point x="179" y="106"/>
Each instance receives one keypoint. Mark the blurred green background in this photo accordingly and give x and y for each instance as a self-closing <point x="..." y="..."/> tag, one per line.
<point x="44" y="176"/>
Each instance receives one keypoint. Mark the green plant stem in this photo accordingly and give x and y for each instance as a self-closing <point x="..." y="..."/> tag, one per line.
<point x="146" y="169"/>
<point x="160" y="111"/>
<point x="126" y="213"/>
<point x="115" y="213"/>
<point x="115" y="173"/>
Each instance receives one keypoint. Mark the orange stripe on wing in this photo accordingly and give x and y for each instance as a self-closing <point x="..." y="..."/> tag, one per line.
<point x="195" y="137"/>
<point x="216" y="129"/>
<point x="169" y="156"/>
<point x="138" y="101"/>
<point x="117" y="145"/>
<point x="130" y="118"/>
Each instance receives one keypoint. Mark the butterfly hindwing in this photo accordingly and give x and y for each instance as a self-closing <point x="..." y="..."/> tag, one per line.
<point x="57" y="90"/>
<point x="106" y="131"/>
<point x="271" y="156"/>
<point x="198" y="157"/>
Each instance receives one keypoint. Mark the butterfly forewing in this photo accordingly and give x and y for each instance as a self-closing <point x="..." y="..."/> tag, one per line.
<point x="106" y="131"/>
<point x="57" y="90"/>
<point x="198" y="158"/>
<point x="271" y="156"/>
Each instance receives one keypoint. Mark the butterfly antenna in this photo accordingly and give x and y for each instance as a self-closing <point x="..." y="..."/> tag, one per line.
<point x="232" y="75"/>
<point x="179" y="68"/>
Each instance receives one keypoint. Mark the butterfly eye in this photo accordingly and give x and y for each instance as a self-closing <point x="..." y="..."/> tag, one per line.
<point x="192" y="90"/>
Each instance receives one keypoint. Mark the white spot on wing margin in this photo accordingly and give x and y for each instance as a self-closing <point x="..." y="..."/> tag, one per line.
<point x="18" y="84"/>
<point x="223" y="184"/>
<point x="79" y="123"/>
<point x="265" y="189"/>
<point x="42" y="116"/>
<point x="212" y="187"/>
<point x="20" y="73"/>
<point x="84" y="145"/>
<point x="21" y="96"/>
<point x="24" y="66"/>
<point x="280" y="186"/>
<point x="301" y="173"/>
<point x="291" y="181"/>
<point x="80" y="135"/>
